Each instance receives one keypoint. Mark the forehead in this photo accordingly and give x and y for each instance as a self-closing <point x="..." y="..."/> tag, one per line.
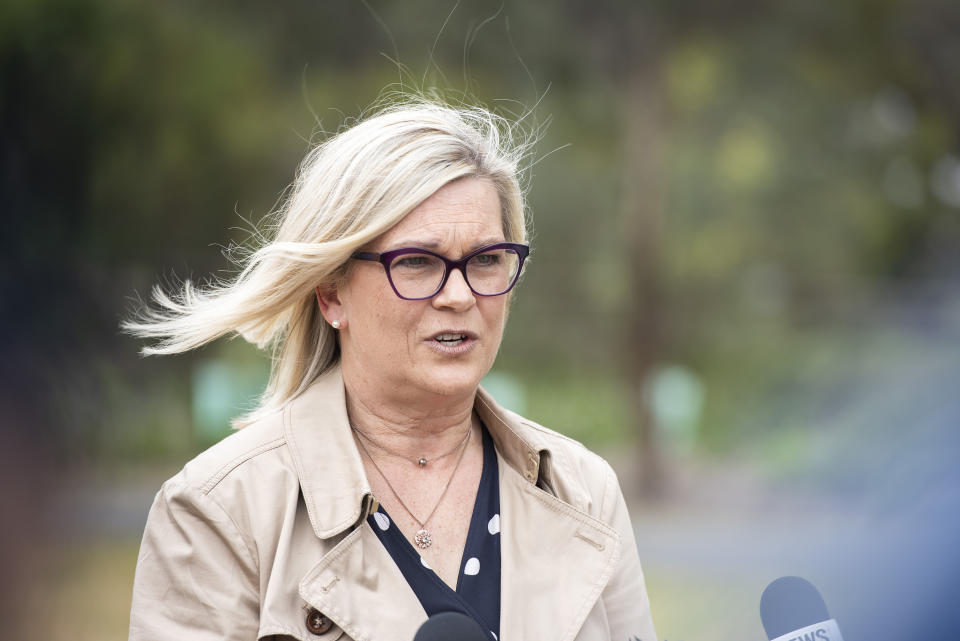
<point x="463" y="211"/>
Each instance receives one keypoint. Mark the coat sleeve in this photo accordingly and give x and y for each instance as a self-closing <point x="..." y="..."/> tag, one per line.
<point x="196" y="578"/>
<point x="625" y="596"/>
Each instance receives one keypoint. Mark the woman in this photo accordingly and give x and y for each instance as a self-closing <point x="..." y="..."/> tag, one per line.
<point x="377" y="483"/>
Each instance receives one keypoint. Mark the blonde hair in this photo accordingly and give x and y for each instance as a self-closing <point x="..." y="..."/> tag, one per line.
<point x="348" y="190"/>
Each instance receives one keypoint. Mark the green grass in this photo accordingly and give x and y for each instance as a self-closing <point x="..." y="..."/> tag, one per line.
<point x="81" y="591"/>
<point x="704" y="607"/>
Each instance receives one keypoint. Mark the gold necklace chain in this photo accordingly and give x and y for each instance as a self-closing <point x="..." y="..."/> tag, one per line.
<point x="422" y="538"/>
<point x="419" y="461"/>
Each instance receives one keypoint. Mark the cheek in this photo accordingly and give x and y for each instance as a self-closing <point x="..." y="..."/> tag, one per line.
<point x="495" y="313"/>
<point x="393" y="325"/>
<point x="373" y="323"/>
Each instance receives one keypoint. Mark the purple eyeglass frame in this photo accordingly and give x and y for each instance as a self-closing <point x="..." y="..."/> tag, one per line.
<point x="385" y="258"/>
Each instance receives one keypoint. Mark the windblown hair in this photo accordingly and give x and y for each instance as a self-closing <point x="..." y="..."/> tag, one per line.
<point x="348" y="190"/>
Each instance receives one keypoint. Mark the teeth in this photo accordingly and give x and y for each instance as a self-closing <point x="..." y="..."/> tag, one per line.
<point x="451" y="338"/>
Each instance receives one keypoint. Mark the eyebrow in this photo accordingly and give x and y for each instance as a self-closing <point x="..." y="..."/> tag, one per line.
<point x="433" y="245"/>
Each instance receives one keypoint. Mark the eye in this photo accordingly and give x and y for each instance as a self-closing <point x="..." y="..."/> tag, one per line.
<point x="488" y="259"/>
<point x="413" y="262"/>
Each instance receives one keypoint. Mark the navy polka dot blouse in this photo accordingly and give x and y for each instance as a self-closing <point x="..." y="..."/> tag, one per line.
<point x="478" y="584"/>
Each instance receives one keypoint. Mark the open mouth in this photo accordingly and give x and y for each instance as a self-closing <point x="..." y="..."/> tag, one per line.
<point x="451" y="340"/>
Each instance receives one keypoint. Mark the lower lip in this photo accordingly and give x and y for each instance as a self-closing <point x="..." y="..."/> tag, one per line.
<point x="454" y="349"/>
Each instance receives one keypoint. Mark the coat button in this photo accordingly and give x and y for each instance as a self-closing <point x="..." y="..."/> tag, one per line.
<point x="317" y="622"/>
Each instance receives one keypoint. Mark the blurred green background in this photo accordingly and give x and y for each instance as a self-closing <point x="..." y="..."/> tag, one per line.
<point x="745" y="285"/>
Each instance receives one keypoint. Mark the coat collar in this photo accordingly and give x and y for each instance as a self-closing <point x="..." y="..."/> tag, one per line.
<point x="335" y="488"/>
<point x="331" y="473"/>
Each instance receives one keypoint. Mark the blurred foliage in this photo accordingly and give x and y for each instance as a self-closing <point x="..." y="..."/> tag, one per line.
<point x="806" y="159"/>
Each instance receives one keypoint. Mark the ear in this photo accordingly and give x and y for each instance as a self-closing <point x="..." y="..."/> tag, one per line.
<point x="329" y="303"/>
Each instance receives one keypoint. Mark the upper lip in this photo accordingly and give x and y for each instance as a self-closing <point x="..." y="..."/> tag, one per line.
<point x="453" y="332"/>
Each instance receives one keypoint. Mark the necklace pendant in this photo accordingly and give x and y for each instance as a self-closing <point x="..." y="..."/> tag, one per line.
<point x="423" y="539"/>
<point x="422" y="462"/>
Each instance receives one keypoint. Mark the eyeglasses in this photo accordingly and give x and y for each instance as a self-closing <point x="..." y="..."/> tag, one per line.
<point x="417" y="274"/>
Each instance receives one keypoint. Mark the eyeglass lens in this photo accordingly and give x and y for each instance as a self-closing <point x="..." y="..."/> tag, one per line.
<point x="488" y="273"/>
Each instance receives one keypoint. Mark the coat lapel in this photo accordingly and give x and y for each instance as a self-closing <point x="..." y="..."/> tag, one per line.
<point x="555" y="562"/>
<point x="350" y="585"/>
<point x="555" y="558"/>
<point x="352" y="581"/>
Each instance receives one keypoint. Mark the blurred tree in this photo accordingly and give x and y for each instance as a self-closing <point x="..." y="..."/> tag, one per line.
<point x="738" y="173"/>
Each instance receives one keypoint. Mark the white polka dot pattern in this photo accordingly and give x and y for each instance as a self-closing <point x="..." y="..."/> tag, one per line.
<point x="472" y="567"/>
<point x="493" y="527"/>
<point x="382" y="521"/>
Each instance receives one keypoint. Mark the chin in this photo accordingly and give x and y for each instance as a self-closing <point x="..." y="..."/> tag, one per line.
<point x="450" y="382"/>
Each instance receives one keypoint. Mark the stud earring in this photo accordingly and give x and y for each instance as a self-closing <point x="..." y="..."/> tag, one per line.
<point x="335" y="324"/>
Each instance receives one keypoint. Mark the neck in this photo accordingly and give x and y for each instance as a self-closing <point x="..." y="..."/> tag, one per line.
<point x="420" y="430"/>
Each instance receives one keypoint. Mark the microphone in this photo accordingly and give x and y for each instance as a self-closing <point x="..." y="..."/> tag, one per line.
<point x="451" y="626"/>
<point x="793" y="610"/>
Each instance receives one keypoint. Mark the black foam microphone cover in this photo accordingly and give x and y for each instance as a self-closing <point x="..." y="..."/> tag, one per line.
<point x="791" y="603"/>
<point x="451" y="626"/>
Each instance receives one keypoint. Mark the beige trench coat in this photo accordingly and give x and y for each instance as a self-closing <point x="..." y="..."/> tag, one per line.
<point x="267" y="527"/>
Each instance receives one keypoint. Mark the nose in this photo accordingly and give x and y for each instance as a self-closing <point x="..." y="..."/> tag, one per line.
<point x="456" y="294"/>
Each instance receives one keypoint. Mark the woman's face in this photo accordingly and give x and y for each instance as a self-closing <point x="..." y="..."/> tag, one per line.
<point x="409" y="345"/>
